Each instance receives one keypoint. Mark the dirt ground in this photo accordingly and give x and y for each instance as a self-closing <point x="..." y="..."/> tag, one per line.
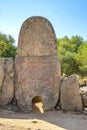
<point x="13" y="119"/>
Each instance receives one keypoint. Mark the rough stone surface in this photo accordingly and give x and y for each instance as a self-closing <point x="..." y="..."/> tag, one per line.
<point x="6" y="80"/>
<point x="37" y="77"/>
<point x="38" y="69"/>
<point x="37" y="38"/>
<point x="84" y="96"/>
<point x="70" y="96"/>
<point x="84" y="99"/>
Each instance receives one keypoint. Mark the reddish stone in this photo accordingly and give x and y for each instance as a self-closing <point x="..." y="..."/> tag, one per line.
<point x="37" y="66"/>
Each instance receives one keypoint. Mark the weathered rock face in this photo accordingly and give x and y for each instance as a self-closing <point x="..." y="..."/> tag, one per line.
<point x="37" y="38"/>
<point x="37" y="66"/>
<point x="84" y="98"/>
<point x="83" y="92"/>
<point x="6" y="80"/>
<point x="70" y="96"/>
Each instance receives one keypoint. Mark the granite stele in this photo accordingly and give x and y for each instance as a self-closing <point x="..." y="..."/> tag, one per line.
<point x="38" y="71"/>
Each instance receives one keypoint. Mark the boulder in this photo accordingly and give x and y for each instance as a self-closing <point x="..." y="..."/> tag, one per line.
<point x="6" y="80"/>
<point x="70" y="94"/>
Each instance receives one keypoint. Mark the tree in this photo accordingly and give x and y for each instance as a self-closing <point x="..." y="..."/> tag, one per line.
<point x="7" y="47"/>
<point x="72" y="52"/>
<point x="81" y="59"/>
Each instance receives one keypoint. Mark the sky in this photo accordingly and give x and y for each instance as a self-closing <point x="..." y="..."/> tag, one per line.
<point x="68" y="17"/>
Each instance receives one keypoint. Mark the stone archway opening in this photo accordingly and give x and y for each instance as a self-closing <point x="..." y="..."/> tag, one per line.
<point x="37" y="104"/>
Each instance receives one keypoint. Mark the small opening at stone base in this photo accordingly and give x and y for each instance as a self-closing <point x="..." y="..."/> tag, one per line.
<point x="37" y="104"/>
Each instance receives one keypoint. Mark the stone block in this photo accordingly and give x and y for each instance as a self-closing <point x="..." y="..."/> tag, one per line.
<point x="6" y="80"/>
<point x="37" y="77"/>
<point x="38" y="71"/>
<point x="70" y="94"/>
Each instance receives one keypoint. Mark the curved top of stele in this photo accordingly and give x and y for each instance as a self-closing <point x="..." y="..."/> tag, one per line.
<point x="37" y="38"/>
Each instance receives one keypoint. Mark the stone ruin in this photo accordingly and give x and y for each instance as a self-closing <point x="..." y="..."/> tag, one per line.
<point x="6" y="80"/>
<point x="70" y="94"/>
<point x="36" y="71"/>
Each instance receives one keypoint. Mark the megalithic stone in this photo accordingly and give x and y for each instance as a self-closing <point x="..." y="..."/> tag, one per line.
<point x="38" y="71"/>
<point x="70" y="95"/>
<point x="6" y="80"/>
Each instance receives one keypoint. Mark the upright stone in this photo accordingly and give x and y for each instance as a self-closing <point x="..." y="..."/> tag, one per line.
<point x="6" y="80"/>
<point x="37" y="38"/>
<point x="70" y="94"/>
<point x="38" y="69"/>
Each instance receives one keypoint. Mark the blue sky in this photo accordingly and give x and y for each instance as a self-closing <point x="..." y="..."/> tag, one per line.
<point x="68" y="17"/>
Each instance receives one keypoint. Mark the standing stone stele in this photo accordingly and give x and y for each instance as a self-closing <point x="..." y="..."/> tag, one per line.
<point x="70" y="94"/>
<point x="38" y="71"/>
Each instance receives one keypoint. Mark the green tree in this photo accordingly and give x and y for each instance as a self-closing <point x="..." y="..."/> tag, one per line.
<point x="81" y="59"/>
<point x="7" y="47"/>
<point x="71" y="57"/>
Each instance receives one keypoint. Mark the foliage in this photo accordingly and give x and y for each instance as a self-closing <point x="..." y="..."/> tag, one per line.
<point x="7" y="47"/>
<point x="73" y="55"/>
